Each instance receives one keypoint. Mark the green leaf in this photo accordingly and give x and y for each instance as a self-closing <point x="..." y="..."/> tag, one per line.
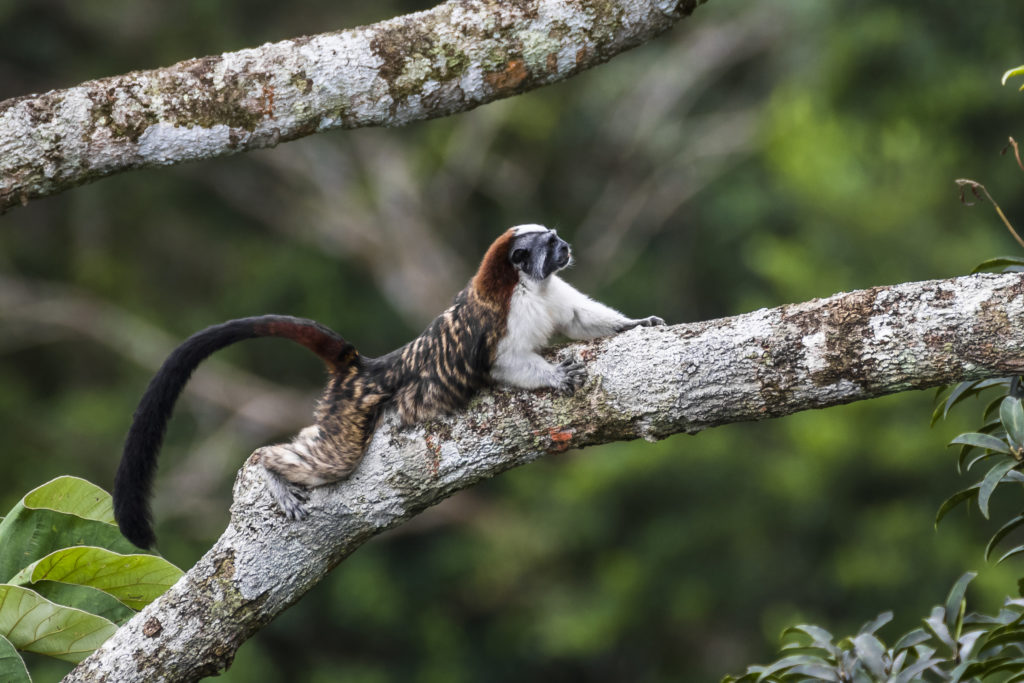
<point x="912" y="672"/>
<point x="956" y="604"/>
<point x="1001" y="534"/>
<point x="820" y="638"/>
<point x="1010" y="553"/>
<point x="1011" y="414"/>
<point x="1013" y="72"/>
<point x="1009" y="636"/>
<point x="974" y="461"/>
<point x="34" y="624"/>
<point x="64" y="512"/>
<point x="788" y="663"/>
<point x="12" y="666"/>
<point x="998" y="262"/>
<point x="991" y="481"/>
<point x="935" y="623"/>
<point x="992" y="407"/>
<point x="979" y="440"/>
<point x="816" y="672"/>
<point x="876" y="623"/>
<point x="959" y="393"/>
<point x="73" y="496"/>
<point x="988" y="666"/>
<point x="136" y="580"/>
<point x="954" y="500"/>
<point x="91" y="600"/>
<point x="871" y="653"/>
<point x="909" y="640"/>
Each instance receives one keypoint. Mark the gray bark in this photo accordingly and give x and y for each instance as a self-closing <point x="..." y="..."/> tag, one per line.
<point x="452" y="58"/>
<point x="648" y="382"/>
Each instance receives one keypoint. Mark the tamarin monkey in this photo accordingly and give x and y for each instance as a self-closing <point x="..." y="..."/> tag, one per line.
<point x="491" y="333"/>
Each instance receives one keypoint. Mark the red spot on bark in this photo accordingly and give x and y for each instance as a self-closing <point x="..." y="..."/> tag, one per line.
<point x="510" y="78"/>
<point x="561" y="439"/>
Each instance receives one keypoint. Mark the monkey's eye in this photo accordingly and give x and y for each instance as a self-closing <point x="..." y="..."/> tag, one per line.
<point x="519" y="256"/>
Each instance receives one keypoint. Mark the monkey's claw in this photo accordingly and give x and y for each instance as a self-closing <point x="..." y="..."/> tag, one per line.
<point x="288" y="496"/>
<point x="571" y="375"/>
<point x="649" y="321"/>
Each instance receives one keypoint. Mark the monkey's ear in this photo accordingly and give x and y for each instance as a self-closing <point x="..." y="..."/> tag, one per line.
<point x="519" y="256"/>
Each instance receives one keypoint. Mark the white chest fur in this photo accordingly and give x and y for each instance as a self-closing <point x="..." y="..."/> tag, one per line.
<point x="539" y="309"/>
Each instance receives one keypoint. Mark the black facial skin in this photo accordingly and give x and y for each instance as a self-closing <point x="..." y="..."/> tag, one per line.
<point x="539" y="254"/>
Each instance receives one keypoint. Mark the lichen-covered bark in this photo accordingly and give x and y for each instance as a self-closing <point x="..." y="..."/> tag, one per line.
<point x="649" y="382"/>
<point x="452" y="58"/>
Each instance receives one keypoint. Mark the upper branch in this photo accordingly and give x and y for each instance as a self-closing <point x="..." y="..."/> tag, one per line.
<point x="452" y="58"/>
<point x="649" y="382"/>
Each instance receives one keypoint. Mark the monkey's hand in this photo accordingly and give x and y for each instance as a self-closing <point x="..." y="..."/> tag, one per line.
<point x="569" y="376"/>
<point x="649" y="321"/>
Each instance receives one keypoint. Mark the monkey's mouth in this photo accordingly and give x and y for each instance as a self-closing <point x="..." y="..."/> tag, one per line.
<point x="563" y="256"/>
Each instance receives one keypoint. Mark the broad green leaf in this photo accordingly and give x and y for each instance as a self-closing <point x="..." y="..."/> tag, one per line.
<point x="979" y="440"/>
<point x="91" y="600"/>
<point x="1001" y="534"/>
<point x="64" y="512"/>
<point x="954" y="500"/>
<point x="956" y="604"/>
<point x="34" y="624"/>
<point x="991" y="481"/>
<point x="998" y="262"/>
<point x="1011" y="414"/>
<point x="72" y="496"/>
<point x="1013" y="72"/>
<point x="12" y="666"/>
<point x="871" y="653"/>
<point x="136" y="580"/>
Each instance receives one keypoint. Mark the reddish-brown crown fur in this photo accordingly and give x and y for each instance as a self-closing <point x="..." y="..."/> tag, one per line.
<point x="497" y="277"/>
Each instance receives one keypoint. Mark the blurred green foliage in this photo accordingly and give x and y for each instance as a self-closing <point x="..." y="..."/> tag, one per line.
<point x="804" y="149"/>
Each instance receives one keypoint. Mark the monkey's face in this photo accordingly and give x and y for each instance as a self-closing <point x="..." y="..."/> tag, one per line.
<point x="538" y="252"/>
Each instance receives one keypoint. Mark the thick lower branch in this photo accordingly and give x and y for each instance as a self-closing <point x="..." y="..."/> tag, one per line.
<point x="452" y="58"/>
<point x="649" y="382"/>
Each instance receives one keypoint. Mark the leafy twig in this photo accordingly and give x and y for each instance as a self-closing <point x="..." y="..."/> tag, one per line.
<point x="977" y="189"/>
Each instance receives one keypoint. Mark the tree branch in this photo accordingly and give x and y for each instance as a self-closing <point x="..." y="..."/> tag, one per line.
<point x="452" y="58"/>
<point x="649" y="382"/>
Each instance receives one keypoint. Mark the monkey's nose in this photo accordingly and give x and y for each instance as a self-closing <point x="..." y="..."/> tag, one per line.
<point x="563" y="255"/>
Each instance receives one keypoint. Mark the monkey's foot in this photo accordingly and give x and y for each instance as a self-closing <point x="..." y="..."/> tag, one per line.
<point x="288" y="496"/>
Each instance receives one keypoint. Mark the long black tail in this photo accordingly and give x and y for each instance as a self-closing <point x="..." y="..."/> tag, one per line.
<point x="133" y="483"/>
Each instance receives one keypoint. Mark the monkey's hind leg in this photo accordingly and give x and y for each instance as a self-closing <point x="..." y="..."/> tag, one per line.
<point x="311" y="459"/>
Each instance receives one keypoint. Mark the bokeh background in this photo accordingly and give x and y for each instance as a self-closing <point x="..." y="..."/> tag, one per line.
<point x="760" y="153"/>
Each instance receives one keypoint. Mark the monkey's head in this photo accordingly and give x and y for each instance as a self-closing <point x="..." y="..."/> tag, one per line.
<point x="537" y="252"/>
